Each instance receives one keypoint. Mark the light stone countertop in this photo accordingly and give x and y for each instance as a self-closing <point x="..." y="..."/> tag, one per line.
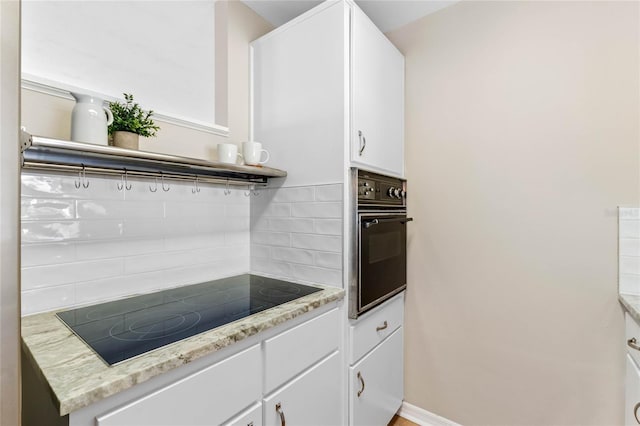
<point x="77" y="377"/>
<point x="631" y="303"/>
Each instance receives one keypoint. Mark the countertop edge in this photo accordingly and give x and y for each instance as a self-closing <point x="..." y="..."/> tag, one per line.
<point x="631" y="303"/>
<point x="69" y="397"/>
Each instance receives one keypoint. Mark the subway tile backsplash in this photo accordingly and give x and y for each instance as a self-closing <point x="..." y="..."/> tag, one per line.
<point x="629" y="250"/>
<point x="296" y="234"/>
<point x="94" y="244"/>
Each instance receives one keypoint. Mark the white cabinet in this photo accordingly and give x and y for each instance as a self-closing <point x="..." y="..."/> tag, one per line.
<point x="376" y="384"/>
<point x="311" y="399"/>
<point x="297" y="363"/>
<point x="318" y="83"/>
<point x="632" y="385"/>
<point x="207" y="397"/>
<point x="295" y="350"/>
<point x="252" y="416"/>
<point x="376" y="381"/>
<point x="377" y="80"/>
<point x="632" y="393"/>
<point x="373" y="327"/>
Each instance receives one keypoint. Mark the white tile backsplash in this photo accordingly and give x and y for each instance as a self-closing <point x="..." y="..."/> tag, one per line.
<point x="629" y="250"/>
<point x="288" y="224"/>
<point x="95" y="244"/>
<point x="296" y="234"/>
<point x="69" y="273"/>
<point x="332" y="243"/>
<point x="91" y="245"/>
<point x="317" y="210"/>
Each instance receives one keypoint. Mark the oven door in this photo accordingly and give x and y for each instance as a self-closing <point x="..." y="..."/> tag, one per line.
<point x="382" y="256"/>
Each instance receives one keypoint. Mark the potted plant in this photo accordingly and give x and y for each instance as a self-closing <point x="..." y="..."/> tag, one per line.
<point x="129" y="122"/>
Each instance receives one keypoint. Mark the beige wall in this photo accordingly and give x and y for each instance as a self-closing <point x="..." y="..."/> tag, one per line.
<point x="522" y="138"/>
<point x="47" y="115"/>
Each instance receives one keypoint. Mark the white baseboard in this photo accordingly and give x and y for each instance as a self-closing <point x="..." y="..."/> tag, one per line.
<point x="423" y="417"/>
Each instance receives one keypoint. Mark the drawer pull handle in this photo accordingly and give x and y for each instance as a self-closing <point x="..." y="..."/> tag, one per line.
<point x="383" y="326"/>
<point x="279" y="410"/>
<point x="362" y="383"/>
<point x="635" y="412"/>
<point x="632" y="343"/>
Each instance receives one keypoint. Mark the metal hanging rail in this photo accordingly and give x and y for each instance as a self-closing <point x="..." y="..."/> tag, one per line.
<point x="54" y="154"/>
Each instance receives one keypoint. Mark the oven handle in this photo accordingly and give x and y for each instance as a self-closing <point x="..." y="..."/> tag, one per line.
<point x="369" y="223"/>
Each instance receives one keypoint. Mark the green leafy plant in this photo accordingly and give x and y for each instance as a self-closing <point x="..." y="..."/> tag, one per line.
<point x="129" y="117"/>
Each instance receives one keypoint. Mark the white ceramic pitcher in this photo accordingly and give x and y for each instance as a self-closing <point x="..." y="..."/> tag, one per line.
<point x="90" y="119"/>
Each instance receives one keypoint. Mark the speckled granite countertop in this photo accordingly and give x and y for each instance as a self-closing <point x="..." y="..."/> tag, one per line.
<point x="632" y="304"/>
<point x="77" y="377"/>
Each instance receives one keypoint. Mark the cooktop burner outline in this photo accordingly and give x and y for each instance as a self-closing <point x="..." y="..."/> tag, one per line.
<point x="126" y="328"/>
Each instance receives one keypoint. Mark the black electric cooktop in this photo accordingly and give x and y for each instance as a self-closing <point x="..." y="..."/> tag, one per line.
<point x="125" y="328"/>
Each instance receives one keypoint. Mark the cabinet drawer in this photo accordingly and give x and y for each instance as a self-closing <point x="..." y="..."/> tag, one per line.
<point x="207" y="397"/>
<point x="297" y="349"/>
<point x="374" y="326"/>
<point x="252" y="416"/>
<point x="313" y="398"/>
<point x="632" y="331"/>
<point x="376" y="384"/>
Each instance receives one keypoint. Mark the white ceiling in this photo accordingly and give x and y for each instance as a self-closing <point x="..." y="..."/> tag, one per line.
<point x="386" y="14"/>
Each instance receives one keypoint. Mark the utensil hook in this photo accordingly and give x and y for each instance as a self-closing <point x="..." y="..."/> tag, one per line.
<point x="155" y="188"/>
<point x="227" y="191"/>
<point x="82" y="179"/>
<point x="167" y="188"/>
<point x="124" y="182"/>
<point x="250" y="189"/>
<point x="195" y="189"/>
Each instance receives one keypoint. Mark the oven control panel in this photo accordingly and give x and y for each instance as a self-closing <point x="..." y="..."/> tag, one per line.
<point x="378" y="189"/>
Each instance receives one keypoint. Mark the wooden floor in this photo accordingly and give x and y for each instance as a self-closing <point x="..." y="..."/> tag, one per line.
<point x="401" y="421"/>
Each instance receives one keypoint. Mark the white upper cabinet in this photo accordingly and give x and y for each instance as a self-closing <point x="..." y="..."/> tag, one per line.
<point x="317" y="83"/>
<point x="377" y="86"/>
<point x="298" y="95"/>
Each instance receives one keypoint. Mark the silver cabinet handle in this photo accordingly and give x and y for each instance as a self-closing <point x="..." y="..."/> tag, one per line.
<point x="279" y="410"/>
<point x="632" y="343"/>
<point x="362" y="383"/>
<point x="363" y="142"/>
<point x="383" y="326"/>
<point x="369" y="223"/>
<point x="635" y="412"/>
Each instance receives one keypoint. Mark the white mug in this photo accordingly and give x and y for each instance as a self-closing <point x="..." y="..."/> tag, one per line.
<point x="228" y="153"/>
<point x="252" y="152"/>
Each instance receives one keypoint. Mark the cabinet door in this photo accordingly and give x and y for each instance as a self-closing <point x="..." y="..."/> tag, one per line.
<point x="313" y="398"/>
<point x="250" y="417"/>
<point x="298" y="95"/>
<point x="632" y="394"/>
<point x="376" y="384"/>
<point x="207" y="397"/>
<point x="377" y="79"/>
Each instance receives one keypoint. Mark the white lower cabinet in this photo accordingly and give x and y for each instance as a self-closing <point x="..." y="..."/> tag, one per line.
<point x="632" y="394"/>
<point x="376" y="383"/>
<point x="312" y="399"/>
<point x="252" y="416"/>
<point x="632" y="380"/>
<point x="198" y="399"/>
<point x="298" y="367"/>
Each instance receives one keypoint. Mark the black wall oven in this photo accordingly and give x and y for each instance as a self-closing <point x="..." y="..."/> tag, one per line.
<point x="379" y="246"/>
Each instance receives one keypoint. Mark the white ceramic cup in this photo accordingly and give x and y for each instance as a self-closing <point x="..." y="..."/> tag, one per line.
<point x="228" y="153"/>
<point x="252" y="152"/>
